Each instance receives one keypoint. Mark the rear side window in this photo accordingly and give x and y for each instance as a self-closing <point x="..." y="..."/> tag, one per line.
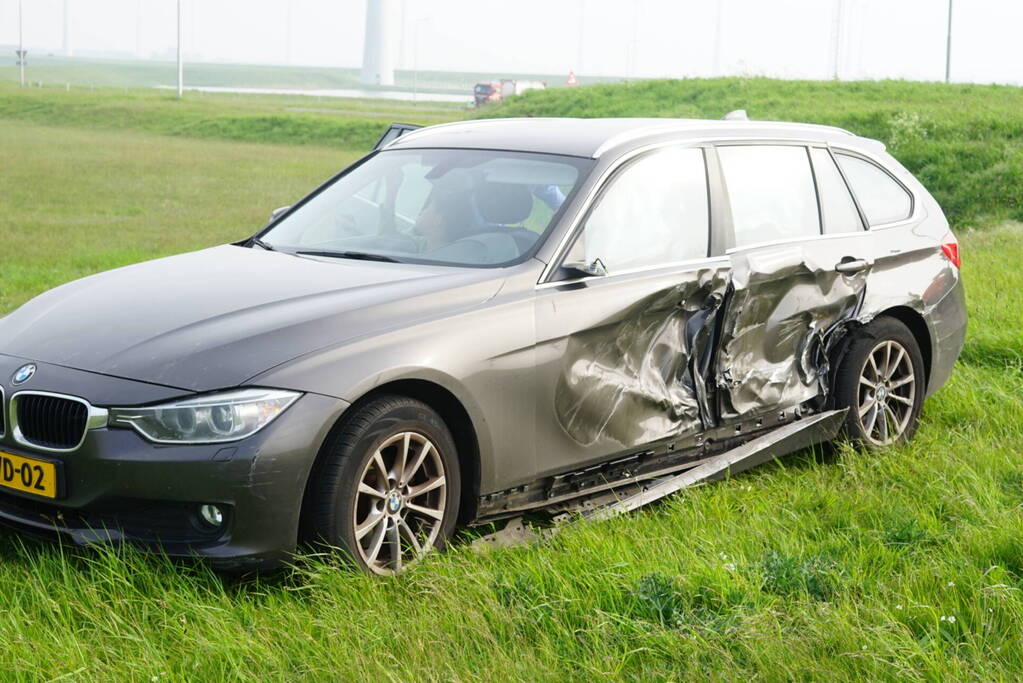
<point x="837" y="207"/>
<point x="771" y="193"/>
<point x="654" y="212"/>
<point x="881" y="197"/>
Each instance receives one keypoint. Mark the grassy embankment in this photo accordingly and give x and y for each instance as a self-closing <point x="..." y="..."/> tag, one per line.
<point x="905" y="563"/>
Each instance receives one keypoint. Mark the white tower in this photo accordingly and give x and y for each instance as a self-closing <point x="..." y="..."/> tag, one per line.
<point x="67" y="28"/>
<point x="378" y="54"/>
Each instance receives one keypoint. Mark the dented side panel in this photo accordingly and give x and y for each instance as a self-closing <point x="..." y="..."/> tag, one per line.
<point x="911" y="273"/>
<point x="622" y="361"/>
<point x="786" y="301"/>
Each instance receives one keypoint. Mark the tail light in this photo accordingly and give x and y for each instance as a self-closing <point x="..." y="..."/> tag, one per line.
<point x="950" y="248"/>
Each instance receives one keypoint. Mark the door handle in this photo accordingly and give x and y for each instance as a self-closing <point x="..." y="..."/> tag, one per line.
<point x="850" y="265"/>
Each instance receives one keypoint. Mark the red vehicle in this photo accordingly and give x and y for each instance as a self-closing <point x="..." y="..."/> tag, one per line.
<point x="495" y="91"/>
<point x="487" y="92"/>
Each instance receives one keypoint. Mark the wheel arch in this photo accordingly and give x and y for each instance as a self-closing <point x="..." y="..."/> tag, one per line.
<point x="918" y="327"/>
<point x="455" y="415"/>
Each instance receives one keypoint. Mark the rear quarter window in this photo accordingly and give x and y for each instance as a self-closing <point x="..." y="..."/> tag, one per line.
<point x="837" y="207"/>
<point x="882" y="198"/>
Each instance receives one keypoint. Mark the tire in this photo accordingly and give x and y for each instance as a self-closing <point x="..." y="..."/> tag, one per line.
<point x="872" y="387"/>
<point x="360" y="502"/>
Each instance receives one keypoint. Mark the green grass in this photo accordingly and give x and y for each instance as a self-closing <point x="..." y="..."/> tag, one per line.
<point x="964" y="142"/>
<point x="79" y="201"/>
<point x="906" y="563"/>
<point x="292" y="120"/>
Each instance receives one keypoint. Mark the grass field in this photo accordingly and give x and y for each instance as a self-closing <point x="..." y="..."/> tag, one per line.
<point x="907" y="563"/>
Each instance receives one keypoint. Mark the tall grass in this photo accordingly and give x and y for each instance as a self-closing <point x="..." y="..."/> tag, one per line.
<point x="964" y="142"/>
<point x="851" y="566"/>
<point x="291" y="120"/>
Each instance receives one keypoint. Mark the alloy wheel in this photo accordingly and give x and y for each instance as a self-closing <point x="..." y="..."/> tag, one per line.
<point x="400" y="502"/>
<point x="887" y="392"/>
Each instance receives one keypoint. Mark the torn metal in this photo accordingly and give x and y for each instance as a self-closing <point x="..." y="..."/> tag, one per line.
<point x="727" y="343"/>
<point x="643" y="376"/>
<point x="652" y="376"/>
<point x="632" y="495"/>
<point x="784" y="306"/>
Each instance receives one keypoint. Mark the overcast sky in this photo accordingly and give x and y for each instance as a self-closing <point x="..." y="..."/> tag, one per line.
<point x="789" y="38"/>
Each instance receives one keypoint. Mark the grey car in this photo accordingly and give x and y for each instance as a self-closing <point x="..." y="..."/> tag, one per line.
<point x="476" y="320"/>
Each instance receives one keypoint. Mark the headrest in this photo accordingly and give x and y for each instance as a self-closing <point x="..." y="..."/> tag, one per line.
<point x="504" y="203"/>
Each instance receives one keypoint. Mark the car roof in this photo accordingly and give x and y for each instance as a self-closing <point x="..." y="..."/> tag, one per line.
<point x="596" y="137"/>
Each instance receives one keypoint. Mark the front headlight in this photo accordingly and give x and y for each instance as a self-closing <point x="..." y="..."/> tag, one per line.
<point x="213" y="418"/>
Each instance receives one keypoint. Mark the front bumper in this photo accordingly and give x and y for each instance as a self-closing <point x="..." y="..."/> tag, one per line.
<point x="118" y="487"/>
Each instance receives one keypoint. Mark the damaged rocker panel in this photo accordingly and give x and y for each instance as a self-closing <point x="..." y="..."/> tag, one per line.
<point x="560" y="492"/>
<point x="626" y="496"/>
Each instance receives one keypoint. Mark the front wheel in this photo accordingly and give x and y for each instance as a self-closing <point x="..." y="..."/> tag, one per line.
<point x="881" y="380"/>
<point x="387" y="487"/>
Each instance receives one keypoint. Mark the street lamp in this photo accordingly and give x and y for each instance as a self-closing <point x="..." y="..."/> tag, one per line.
<point x="948" y="46"/>
<point x="719" y="31"/>
<point x="21" y="46"/>
<point x="181" y="70"/>
<point x="838" y="35"/>
<point x="415" y="58"/>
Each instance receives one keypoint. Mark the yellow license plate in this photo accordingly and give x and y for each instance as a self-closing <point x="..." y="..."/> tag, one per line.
<point x="28" y="474"/>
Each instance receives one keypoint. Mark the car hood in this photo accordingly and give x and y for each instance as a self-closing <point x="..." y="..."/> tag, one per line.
<point x="214" y="318"/>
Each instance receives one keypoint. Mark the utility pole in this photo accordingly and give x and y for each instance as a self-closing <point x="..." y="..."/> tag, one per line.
<point x="838" y="34"/>
<point x="415" y="56"/>
<point x="719" y="30"/>
<point x="634" y="47"/>
<point x="287" y="36"/>
<point x="21" y="45"/>
<point x="181" y="70"/>
<point x="948" y="46"/>
<point x="68" y="50"/>
<point x="138" y="29"/>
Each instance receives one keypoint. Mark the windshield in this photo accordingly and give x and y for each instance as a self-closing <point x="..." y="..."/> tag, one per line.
<point x="446" y="206"/>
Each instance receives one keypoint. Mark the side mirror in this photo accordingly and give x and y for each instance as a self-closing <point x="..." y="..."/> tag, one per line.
<point x="276" y="213"/>
<point x="578" y="269"/>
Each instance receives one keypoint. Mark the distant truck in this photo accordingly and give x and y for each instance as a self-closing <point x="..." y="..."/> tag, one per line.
<point x="495" y="91"/>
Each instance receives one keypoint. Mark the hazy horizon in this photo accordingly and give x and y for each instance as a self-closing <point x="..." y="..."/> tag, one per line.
<point x="641" y="38"/>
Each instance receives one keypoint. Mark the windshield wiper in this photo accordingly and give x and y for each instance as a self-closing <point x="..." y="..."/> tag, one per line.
<point x="260" y="243"/>
<point x="357" y="255"/>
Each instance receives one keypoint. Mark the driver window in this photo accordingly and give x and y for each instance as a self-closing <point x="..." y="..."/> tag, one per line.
<point x="655" y="212"/>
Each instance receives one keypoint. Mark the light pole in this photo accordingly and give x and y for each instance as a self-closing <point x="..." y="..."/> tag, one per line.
<point x="719" y="29"/>
<point x="181" y="70"/>
<point x="21" y="46"/>
<point x="948" y="46"/>
<point x="838" y="34"/>
<point x="138" y="29"/>
<point x="582" y="34"/>
<point x="415" y="58"/>
<point x="287" y="36"/>
<point x="634" y="46"/>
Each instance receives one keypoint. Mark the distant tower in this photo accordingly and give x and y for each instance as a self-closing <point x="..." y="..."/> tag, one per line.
<point x="67" y="28"/>
<point x="378" y="54"/>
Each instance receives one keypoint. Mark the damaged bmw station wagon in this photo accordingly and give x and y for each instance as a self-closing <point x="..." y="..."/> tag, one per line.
<point x="480" y="319"/>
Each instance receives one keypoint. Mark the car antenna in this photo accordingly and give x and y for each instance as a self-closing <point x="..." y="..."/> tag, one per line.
<point x="737" y="115"/>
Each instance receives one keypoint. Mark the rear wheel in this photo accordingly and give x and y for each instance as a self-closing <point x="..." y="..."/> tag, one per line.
<point x="880" y="378"/>
<point x="387" y="487"/>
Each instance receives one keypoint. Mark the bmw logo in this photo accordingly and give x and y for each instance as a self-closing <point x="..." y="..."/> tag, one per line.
<point x="23" y="374"/>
